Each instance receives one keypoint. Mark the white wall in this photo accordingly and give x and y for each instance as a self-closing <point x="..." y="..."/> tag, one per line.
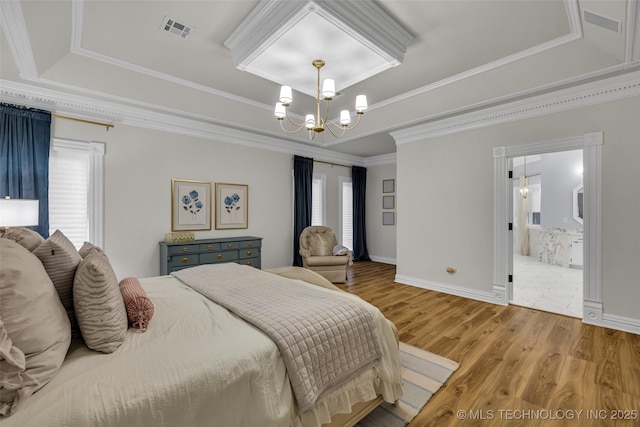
<point x="139" y="166"/>
<point x="381" y="239"/>
<point x="446" y="201"/>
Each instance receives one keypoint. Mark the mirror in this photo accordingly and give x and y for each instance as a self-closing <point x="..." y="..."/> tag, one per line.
<point x="578" y="203"/>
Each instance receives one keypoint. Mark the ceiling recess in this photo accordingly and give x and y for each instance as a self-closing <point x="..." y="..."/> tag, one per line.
<point x="279" y="40"/>
<point x="170" y="25"/>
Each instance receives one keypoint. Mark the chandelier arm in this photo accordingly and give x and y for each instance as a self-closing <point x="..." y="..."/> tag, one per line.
<point x="294" y="123"/>
<point x="343" y="128"/>
<point x="330" y="124"/>
<point x="290" y="131"/>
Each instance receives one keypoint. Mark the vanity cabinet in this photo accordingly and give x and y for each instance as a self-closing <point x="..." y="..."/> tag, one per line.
<point x="241" y="250"/>
<point x="577" y="251"/>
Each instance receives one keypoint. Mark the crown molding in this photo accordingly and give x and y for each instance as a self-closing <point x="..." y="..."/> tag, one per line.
<point x="383" y="159"/>
<point x="606" y="90"/>
<point x="80" y="106"/>
<point x="15" y="30"/>
<point x="364" y="20"/>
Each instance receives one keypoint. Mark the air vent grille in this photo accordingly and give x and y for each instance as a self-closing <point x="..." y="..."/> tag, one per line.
<point x="602" y="21"/>
<point x="170" y="25"/>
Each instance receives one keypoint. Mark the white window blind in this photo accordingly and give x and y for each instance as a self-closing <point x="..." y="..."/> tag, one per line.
<point x="318" y="199"/>
<point x="346" y="218"/>
<point x="75" y="191"/>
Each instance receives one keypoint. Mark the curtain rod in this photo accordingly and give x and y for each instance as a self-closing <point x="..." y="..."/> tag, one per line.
<point x="333" y="164"/>
<point x="91" y="122"/>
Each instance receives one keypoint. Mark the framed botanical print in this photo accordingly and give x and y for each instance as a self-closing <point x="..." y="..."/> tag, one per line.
<point x="232" y="206"/>
<point x="190" y="205"/>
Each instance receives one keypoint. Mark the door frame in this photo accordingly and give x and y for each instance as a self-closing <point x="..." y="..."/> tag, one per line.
<point x="591" y="144"/>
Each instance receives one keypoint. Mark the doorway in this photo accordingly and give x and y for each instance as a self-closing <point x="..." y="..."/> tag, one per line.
<point x="548" y="232"/>
<point x="591" y="144"/>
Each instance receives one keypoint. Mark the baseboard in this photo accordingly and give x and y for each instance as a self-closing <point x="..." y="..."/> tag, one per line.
<point x="383" y="259"/>
<point x="447" y="289"/>
<point x="621" y="323"/>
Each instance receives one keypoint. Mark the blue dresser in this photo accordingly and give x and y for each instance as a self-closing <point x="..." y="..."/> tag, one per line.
<point x="241" y="250"/>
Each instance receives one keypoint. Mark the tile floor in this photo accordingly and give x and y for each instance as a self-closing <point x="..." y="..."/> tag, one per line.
<point x="547" y="287"/>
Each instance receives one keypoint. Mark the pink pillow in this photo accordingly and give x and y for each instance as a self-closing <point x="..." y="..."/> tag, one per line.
<point x="139" y="306"/>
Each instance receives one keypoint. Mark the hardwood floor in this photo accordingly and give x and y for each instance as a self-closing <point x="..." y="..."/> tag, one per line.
<point x="518" y="366"/>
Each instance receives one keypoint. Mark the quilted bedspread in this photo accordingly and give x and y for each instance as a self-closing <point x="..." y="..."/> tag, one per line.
<point x="324" y="339"/>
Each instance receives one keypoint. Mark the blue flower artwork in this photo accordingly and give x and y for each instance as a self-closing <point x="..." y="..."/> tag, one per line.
<point x="191" y="203"/>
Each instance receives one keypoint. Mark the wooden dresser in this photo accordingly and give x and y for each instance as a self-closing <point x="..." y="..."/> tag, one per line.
<point x="241" y="250"/>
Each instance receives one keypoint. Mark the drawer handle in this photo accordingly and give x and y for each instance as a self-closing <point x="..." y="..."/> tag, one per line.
<point x="250" y="244"/>
<point x="249" y="253"/>
<point x="219" y="256"/>
<point x="185" y="259"/>
<point x="185" y="249"/>
<point x="229" y="245"/>
<point x="210" y="247"/>
<point x="250" y="263"/>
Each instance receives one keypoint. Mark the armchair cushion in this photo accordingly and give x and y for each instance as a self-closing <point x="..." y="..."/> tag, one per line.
<point x="329" y="260"/>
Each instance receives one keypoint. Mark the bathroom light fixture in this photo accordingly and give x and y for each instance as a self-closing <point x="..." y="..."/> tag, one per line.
<point x="316" y="124"/>
<point x="524" y="184"/>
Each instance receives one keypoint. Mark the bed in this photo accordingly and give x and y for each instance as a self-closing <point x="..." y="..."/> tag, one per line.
<point x="198" y="364"/>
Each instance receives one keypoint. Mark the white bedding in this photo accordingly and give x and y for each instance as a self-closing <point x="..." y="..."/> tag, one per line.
<point x="197" y="364"/>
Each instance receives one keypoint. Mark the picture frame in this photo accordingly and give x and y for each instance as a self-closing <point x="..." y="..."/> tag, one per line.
<point x="190" y="205"/>
<point x="388" y="202"/>
<point x="388" y="185"/>
<point x="388" y="218"/>
<point x="232" y="206"/>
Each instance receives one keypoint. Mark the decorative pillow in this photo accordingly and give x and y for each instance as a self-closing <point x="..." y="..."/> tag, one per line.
<point x="98" y="304"/>
<point x="139" y="306"/>
<point x="89" y="248"/>
<point x="60" y="258"/>
<point x="28" y="238"/>
<point x="35" y="333"/>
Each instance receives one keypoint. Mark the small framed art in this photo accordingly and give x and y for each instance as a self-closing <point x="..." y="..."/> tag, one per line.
<point x="388" y="218"/>
<point x="232" y="206"/>
<point x="388" y="202"/>
<point x="190" y="205"/>
<point x="388" y="185"/>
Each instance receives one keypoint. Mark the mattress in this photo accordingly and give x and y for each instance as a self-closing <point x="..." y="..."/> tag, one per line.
<point x="197" y="364"/>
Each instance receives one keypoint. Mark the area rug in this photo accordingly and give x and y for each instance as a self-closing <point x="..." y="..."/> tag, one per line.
<point x="423" y="373"/>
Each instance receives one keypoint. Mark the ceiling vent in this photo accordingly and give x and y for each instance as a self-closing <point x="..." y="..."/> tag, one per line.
<point x="171" y="26"/>
<point x="602" y="21"/>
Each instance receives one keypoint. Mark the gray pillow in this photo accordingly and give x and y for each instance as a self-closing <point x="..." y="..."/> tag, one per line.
<point x="60" y="258"/>
<point x="36" y="333"/>
<point x="28" y="238"/>
<point x="98" y="304"/>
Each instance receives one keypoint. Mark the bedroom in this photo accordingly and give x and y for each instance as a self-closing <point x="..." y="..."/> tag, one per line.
<point x="445" y="185"/>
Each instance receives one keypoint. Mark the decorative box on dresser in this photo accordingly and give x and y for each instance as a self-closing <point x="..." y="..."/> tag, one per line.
<point x="241" y="250"/>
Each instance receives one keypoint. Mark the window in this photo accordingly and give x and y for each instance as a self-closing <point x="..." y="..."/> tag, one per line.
<point x="346" y="212"/>
<point x="76" y="195"/>
<point x="318" y="205"/>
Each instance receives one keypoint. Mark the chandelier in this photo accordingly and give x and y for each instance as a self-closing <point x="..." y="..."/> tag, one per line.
<point x="316" y="124"/>
<point x="524" y="181"/>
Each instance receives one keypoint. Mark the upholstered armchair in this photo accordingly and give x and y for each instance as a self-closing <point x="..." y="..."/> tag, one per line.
<point x="317" y="245"/>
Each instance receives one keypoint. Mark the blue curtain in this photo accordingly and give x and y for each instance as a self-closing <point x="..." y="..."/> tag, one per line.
<point x="359" y="183"/>
<point x="303" y="185"/>
<point x="25" y="138"/>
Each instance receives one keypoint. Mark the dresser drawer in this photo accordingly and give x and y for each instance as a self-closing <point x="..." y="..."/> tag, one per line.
<point x="224" y="256"/>
<point x="249" y="253"/>
<point x="210" y="247"/>
<point x="183" y="249"/>
<point x="184" y="260"/>
<point x="229" y="245"/>
<point x="252" y="262"/>
<point x="248" y="244"/>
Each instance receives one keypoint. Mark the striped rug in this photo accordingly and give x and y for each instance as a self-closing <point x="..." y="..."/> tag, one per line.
<point x="423" y="373"/>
